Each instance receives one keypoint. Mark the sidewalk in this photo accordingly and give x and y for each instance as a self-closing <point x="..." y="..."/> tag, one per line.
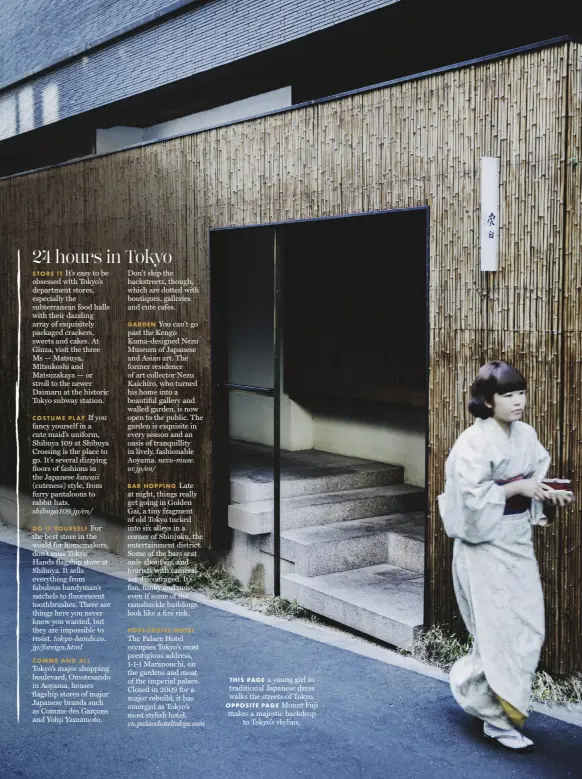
<point x="375" y="719"/>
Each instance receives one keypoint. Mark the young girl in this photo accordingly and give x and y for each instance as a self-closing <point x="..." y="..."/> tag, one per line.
<point x="493" y="496"/>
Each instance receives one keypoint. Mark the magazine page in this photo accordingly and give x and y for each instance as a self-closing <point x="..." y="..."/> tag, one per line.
<point x="289" y="349"/>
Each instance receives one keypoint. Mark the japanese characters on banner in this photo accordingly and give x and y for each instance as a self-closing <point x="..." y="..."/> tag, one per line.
<point x="489" y="213"/>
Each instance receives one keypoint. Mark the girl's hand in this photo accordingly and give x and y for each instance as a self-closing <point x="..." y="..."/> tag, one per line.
<point x="529" y="488"/>
<point x="556" y="498"/>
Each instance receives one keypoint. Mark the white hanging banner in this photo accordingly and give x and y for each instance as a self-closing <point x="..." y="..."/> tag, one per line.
<point x="489" y="213"/>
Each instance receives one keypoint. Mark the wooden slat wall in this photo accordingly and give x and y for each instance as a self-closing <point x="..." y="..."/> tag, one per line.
<point x="416" y="143"/>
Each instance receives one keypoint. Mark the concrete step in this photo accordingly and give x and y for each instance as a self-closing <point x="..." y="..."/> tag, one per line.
<point x="325" y="508"/>
<point x="303" y="472"/>
<point x="393" y="538"/>
<point x="383" y="601"/>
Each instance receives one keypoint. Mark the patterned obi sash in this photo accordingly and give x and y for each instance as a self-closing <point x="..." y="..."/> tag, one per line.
<point x="517" y="504"/>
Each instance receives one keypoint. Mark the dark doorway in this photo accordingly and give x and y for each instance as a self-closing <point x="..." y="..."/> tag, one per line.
<point x="350" y="296"/>
<point x="355" y="323"/>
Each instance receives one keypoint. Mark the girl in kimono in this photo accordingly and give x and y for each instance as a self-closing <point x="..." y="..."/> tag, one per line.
<point x="493" y="496"/>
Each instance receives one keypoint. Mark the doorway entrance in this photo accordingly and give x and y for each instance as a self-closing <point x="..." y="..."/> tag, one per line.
<point x="319" y="362"/>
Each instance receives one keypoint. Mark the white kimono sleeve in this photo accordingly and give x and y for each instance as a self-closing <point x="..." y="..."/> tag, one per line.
<point x="472" y="504"/>
<point x="542" y="460"/>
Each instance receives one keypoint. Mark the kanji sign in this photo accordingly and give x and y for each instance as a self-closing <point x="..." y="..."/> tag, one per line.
<point x="489" y="213"/>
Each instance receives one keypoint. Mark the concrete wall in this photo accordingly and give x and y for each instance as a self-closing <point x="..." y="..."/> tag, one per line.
<point x="240" y="109"/>
<point x="112" y="138"/>
<point x="398" y="438"/>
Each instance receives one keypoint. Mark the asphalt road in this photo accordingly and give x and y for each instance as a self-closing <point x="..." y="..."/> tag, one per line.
<point x="374" y="721"/>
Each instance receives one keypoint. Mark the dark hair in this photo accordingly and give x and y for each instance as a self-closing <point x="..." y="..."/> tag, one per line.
<point x="495" y="376"/>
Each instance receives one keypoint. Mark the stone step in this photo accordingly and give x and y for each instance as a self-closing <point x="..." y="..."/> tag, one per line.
<point x="303" y="472"/>
<point x="383" y="601"/>
<point x="325" y="508"/>
<point x="393" y="538"/>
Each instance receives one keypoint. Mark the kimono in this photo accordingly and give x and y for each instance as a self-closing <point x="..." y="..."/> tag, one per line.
<point x="495" y="571"/>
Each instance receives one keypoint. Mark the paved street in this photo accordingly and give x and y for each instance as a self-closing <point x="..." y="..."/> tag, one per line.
<point x="374" y="720"/>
